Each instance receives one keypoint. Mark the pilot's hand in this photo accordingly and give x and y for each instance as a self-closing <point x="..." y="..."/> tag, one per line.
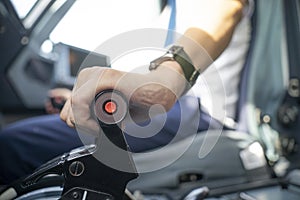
<point x="142" y="92"/>
<point x="77" y="109"/>
<point x="56" y="100"/>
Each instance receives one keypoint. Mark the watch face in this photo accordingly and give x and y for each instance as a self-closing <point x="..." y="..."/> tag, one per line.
<point x="155" y="63"/>
<point x="176" y="50"/>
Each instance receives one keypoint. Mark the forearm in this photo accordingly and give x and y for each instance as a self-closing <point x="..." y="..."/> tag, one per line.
<point x="204" y="44"/>
<point x="162" y="86"/>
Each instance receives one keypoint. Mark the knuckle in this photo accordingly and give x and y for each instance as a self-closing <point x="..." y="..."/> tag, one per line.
<point x="76" y="99"/>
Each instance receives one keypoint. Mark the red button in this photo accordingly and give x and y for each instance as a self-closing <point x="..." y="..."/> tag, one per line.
<point x="110" y="107"/>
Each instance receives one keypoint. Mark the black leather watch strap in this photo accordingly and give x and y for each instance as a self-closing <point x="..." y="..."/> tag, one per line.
<point x="177" y="53"/>
<point x="180" y="56"/>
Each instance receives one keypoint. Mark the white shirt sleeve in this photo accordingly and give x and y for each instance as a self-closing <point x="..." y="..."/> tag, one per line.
<point x="218" y="86"/>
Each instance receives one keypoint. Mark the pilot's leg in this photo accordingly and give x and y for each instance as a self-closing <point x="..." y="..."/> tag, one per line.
<point x="27" y="144"/>
<point x="184" y="119"/>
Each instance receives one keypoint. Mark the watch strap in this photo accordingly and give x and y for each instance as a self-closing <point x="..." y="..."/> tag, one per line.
<point x="181" y="57"/>
<point x="177" y="53"/>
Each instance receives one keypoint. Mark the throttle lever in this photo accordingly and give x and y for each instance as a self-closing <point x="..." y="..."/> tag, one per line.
<point x="110" y="167"/>
<point x="99" y="171"/>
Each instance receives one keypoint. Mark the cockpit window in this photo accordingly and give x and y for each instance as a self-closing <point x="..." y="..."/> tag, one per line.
<point x="23" y="7"/>
<point x="29" y="11"/>
<point x="90" y="22"/>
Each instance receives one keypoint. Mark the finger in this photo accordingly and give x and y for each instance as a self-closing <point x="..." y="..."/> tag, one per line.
<point x="70" y="122"/>
<point x="81" y="106"/>
<point x="65" y="111"/>
<point x="70" y="119"/>
<point x="68" y="116"/>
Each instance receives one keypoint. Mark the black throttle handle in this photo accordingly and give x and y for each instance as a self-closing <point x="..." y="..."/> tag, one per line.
<point x="99" y="171"/>
<point x="110" y="167"/>
<point x="110" y="107"/>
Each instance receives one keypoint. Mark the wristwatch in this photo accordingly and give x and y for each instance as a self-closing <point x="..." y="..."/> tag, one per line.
<point x="177" y="53"/>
